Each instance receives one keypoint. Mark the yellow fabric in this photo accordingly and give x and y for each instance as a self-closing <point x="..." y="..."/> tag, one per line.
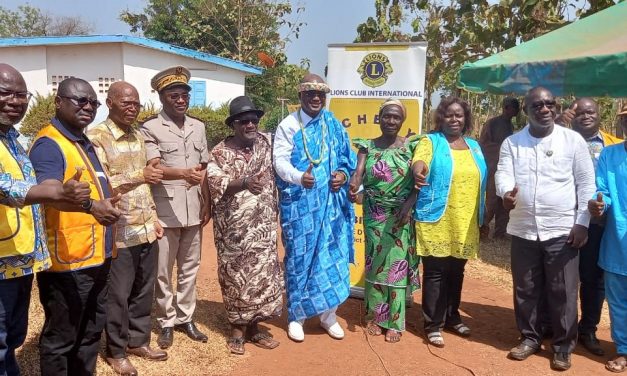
<point x="75" y="239"/>
<point x="457" y="232"/>
<point x="608" y="139"/>
<point x="17" y="226"/>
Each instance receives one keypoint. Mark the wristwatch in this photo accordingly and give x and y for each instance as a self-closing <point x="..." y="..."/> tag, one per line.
<point x="86" y="205"/>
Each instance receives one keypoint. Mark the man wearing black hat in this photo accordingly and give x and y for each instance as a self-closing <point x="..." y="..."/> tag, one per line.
<point x="176" y="144"/>
<point x="240" y="179"/>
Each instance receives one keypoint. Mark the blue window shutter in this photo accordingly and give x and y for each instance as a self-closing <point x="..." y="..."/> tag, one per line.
<point x="198" y="93"/>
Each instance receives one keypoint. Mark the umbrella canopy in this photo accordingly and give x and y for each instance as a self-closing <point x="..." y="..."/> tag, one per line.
<point x="585" y="58"/>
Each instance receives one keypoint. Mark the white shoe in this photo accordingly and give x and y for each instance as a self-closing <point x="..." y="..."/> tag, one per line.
<point x="335" y="330"/>
<point x="295" y="331"/>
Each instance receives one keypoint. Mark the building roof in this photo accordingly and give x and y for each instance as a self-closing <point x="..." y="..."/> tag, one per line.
<point x="138" y="41"/>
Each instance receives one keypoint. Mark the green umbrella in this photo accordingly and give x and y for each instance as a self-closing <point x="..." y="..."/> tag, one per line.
<point x="585" y="58"/>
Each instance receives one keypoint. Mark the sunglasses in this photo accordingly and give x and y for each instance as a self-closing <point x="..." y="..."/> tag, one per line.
<point x="82" y="101"/>
<point x="312" y="94"/>
<point x="23" y="96"/>
<point x="538" y="105"/>
<point x="254" y="121"/>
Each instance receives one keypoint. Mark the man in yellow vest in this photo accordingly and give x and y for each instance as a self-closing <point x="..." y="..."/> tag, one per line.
<point x="584" y="117"/>
<point x="73" y="291"/>
<point x="23" y="248"/>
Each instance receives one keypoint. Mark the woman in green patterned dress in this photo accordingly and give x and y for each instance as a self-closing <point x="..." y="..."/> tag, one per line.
<point x="383" y="168"/>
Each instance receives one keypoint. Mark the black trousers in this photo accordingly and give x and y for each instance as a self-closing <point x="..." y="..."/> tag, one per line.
<point x="592" y="287"/>
<point x="74" y="305"/>
<point x="131" y="288"/>
<point x="14" y="303"/>
<point x="442" y="282"/>
<point x="546" y="278"/>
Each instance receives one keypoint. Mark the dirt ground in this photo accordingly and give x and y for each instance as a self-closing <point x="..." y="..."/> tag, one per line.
<point x="486" y="308"/>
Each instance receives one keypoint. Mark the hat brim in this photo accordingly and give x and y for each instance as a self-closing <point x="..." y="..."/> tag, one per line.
<point x="230" y="119"/>
<point x="174" y="84"/>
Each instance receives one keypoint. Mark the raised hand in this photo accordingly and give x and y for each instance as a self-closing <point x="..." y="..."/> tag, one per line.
<point x="74" y="190"/>
<point x="255" y="184"/>
<point x="338" y="178"/>
<point x="193" y="176"/>
<point x="420" y="171"/>
<point x="152" y="174"/>
<point x="567" y="115"/>
<point x="510" y="199"/>
<point x="105" y="211"/>
<point x="308" y="180"/>
<point x="596" y="207"/>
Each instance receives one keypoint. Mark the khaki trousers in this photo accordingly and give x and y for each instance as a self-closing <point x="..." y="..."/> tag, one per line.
<point x="180" y="244"/>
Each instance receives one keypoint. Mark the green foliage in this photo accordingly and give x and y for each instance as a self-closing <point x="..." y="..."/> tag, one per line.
<point x="29" y="21"/>
<point x="38" y="116"/>
<point x="214" y="122"/>
<point x="236" y="29"/>
<point x="460" y="31"/>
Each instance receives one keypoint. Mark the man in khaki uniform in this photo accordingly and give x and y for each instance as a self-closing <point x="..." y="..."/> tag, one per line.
<point x="179" y="144"/>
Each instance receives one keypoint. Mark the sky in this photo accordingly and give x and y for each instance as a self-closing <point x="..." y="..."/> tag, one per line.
<point x="327" y="21"/>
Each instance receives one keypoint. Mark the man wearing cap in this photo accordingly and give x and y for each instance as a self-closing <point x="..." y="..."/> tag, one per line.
<point x="120" y="148"/>
<point x="313" y="159"/>
<point x="23" y="248"/>
<point x="176" y="144"/>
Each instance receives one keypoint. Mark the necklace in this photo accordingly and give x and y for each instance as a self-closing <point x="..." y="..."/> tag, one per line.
<point x="322" y="146"/>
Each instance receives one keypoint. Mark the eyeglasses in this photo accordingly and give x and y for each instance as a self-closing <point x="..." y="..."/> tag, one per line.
<point x="312" y="94"/>
<point x="82" y="101"/>
<point x="23" y="96"/>
<point x="128" y="104"/>
<point x="246" y="121"/>
<point x="176" y="96"/>
<point x="538" y="105"/>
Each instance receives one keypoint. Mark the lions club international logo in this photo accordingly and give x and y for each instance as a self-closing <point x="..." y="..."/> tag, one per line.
<point x="374" y="69"/>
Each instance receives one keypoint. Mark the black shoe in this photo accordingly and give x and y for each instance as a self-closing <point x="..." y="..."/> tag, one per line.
<point x="522" y="351"/>
<point x="591" y="343"/>
<point x="561" y="361"/>
<point x="165" y="338"/>
<point x="192" y="331"/>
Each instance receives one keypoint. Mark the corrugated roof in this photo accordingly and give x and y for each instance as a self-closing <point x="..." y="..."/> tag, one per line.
<point x="138" y="41"/>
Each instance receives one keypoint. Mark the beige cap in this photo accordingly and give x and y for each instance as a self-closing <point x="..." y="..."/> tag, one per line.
<point x="171" y="76"/>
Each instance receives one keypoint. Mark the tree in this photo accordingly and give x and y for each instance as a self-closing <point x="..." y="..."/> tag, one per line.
<point x="460" y="31"/>
<point x="28" y="21"/>
<point x="235" y="29"/>
<point x="38" y="115"/>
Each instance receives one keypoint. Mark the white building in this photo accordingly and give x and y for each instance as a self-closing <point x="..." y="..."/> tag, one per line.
<point x="104" y="59"/>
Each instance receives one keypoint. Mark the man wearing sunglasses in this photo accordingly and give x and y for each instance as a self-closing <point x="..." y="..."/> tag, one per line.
<point x="23" y="248"/>
<point x="120" y="148"/>
<point x="73" y="291"/>
<point x="177" y="144"/>
<point x="545" y="176"/>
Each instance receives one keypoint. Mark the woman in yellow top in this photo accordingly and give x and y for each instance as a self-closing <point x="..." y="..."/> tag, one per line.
<point x="450" y="171"/>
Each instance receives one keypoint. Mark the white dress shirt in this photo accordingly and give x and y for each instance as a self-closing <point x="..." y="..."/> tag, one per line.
<point x="555" y="180"/>
<point x="284" y="145"/>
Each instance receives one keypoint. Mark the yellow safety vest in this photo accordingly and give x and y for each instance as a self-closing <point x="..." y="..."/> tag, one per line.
<point x="75" y="240"/>
<point x="17" y="226"/>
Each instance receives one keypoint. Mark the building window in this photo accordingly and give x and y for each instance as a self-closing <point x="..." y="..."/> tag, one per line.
<point x="104" y="83"/>
<point x="55" y="81"/>
<point x="198" y="93"/>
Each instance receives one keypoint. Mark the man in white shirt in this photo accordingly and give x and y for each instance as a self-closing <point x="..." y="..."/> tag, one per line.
<point x="545" y="176"/>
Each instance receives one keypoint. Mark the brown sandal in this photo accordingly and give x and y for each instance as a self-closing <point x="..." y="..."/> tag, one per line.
<point x="618" y="364"/>
<point x="393" y="336"/>
<point x="236" y="345"/>
<point x="264" y="340"/>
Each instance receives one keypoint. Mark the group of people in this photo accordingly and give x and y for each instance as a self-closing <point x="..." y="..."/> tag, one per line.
<point x="102" y="214"/>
